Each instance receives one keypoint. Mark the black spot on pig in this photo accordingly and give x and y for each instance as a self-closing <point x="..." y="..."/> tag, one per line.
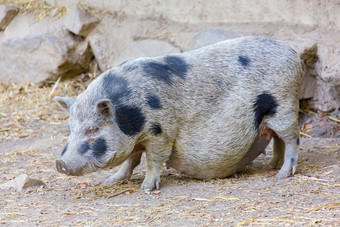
<point x="292" y="160"/>
<point x="64" y="150"/>
<point x="83" y="148"/>
<point x="155" y="129"/>
<point x="265" y="105"/>
<point x="158" y="71"/>
<point x="244" y="61"/>
<point x="177" y="65"/>
<point x="153" y="101"/>
<point x="115" y="87"/>
<point x="129" y="119"/>
<point x="298" y="141"/>
<point x="99" y="147"/>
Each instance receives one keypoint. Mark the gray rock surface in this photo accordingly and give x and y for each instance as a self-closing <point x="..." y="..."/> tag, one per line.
<point x="330" y="56"/>
<point x="79" y="21"/>
<point x="38" y="50"/>
<point x="145" y="48"/>
<point x="326" y="97"/>
<point x="308" y="53"/>
<point x="22" y="182"/>
<point x="321" y="82"/>
<point x="113" y="35"/>
<point x="7" y="13"/>
<point x="308" y="86"/>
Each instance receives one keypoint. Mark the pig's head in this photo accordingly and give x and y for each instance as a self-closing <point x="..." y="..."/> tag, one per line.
<point x="96" y="140"/>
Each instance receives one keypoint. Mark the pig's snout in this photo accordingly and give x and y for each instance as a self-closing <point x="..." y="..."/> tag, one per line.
<point x="62" y="167"/>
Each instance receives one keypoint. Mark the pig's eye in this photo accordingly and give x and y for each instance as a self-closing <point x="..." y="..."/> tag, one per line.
<point x="91" y="131"/>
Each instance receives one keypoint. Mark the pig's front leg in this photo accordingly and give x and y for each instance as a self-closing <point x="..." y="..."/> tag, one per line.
<point x="157" y="152"/>
<point x="125" y="171"/>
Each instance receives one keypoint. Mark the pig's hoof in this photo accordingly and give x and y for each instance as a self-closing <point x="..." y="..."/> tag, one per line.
<point x="111" y="180"/>
<point x="115" y="178"/>
<point x="149" y="185"/>
<point x="118" y="177"/>
<point x="286" y="171"/>
<point x="282" y="175"/>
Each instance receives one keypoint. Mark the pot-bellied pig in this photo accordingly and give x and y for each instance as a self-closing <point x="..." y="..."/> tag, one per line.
<point x="207" y="112"/>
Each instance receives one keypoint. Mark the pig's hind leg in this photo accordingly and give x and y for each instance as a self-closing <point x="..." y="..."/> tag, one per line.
<point x="285" y="147"/>
<point x="126" y="169"/>
<point x="290" y="159"/>
<point x="280" y="113"/>
<point x="278" y="154"/>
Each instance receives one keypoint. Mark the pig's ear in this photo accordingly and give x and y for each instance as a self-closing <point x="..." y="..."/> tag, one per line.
<point x="65" y="102"/>
<point x="105" y="108"/>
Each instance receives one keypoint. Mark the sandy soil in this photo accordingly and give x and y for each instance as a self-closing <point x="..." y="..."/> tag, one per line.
<point x="33" y="131"/>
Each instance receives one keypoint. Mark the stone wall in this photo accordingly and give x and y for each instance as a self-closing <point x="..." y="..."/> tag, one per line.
<point x="323" y="13"/>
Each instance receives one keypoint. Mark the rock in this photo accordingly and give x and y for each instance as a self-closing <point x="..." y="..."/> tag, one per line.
<point x="326" y="97"/>
<point x="7" y="13"/>
<point x="308" y="54"/>
<point x="113" y="35"/>
<point x="321" y="79"/>
<point x="330" y="56"/>
<point x="210" y="36"/>
<point x="308" y="86"/>
<point x="145" y="48"/>
<point x="29" y="60"/>
<point x="36" y="50"/>
<point x="79" y="21"/>
<point x="321" y="82"/>
<point x="327" y="93"/>
<point x="78" y="62"/>
<point x="106" y="46"/>
<point x="22" y="182"/>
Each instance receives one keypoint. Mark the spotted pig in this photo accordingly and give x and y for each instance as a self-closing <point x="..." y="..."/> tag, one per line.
<point x="207" y="113"/>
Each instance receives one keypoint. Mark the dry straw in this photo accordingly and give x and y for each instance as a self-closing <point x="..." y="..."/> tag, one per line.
<point x="39" y="8"/>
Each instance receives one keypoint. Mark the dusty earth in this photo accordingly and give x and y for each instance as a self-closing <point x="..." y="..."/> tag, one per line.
<point x="33" y="131"/>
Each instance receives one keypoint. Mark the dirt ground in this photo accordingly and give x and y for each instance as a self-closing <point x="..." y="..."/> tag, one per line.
<point x="33" y="131"/>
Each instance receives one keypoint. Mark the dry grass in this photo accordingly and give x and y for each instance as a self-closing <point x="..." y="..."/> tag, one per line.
<point x="42" y="9"/>
<point x="27" y="110"/>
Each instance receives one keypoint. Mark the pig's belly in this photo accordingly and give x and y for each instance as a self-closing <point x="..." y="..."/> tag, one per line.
<point x="217" y="164"/>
